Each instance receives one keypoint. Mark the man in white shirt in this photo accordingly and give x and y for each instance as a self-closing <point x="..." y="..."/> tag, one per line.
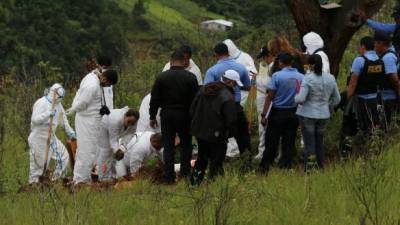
<point x="189" y="64"/>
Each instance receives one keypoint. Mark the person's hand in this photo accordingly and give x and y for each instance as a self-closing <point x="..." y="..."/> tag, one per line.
<point x="153" y="124"/>
<point x="119" y="155"/>
<point x="264" y="121"/>
<point x="71" y="136"/>
<point x="52" y="112"/>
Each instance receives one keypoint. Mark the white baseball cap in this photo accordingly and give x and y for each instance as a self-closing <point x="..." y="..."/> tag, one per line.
<point x="233" y="75"/>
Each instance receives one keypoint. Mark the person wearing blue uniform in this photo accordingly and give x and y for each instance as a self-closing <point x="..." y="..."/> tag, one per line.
<point x="386" y="27"/>
<point x="280" y="114"/>
<point x="375" y="82"/>
<point x="390" y="28"/>
<point x="215" y="73"/>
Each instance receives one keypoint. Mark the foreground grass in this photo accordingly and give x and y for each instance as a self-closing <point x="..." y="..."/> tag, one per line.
<point x="284" y="197"/>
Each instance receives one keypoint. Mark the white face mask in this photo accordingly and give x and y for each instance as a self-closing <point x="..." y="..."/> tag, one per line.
<point x="60" y="93"/>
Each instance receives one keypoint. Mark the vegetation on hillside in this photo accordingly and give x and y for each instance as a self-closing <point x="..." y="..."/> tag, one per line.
<point x="53" y="40"/>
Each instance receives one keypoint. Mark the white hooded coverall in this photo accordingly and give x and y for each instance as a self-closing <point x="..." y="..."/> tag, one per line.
<point x="108" y="92"/>
<point x="112" y="130"/>
<point x="263" y="78"/>
<point x="247" y="61"/>
<point x="39" y="133"/>
<point x="244" y="59"/>
<point x="313" y="42"/>
<point x="87" y="104"/>
<point x="144" y="119"/>
<point x="193" y="68"/>
<point x="139" y="150"/>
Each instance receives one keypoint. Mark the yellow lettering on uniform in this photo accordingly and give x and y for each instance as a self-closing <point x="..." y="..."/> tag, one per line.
<point x="375" y="69"/>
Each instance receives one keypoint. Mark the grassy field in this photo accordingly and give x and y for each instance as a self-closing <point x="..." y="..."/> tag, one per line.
<point x="361" y="189"/>
<point x="358" y="191"/>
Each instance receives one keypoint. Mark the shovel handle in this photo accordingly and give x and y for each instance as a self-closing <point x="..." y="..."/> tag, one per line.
<point x="53" y="106"/>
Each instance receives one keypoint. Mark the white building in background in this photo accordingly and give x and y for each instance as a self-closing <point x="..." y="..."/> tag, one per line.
<point x="217" y="25"/>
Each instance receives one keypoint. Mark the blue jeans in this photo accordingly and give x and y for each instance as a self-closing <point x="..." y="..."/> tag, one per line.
<point x="313" y="135"/>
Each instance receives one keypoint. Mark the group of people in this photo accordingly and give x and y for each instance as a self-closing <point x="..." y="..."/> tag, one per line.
<point x="294" y="89"/>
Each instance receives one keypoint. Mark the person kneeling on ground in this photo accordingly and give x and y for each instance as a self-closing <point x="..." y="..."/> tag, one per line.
<point x="142" y="147"/>
<point x="213" y="122"/>
<point x="120" y="124"/>
<point x="282" y="120"/>
<point x="318" y="95"/>
<point x="41" y="114"/>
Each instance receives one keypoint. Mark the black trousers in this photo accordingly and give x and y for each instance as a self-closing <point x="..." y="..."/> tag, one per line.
<point x="213" y="152"/>
<point x="242" y="134"/>
<point x="176" y="121"/>
<point x="374" y="113"/>
<point x="282" y="128"/>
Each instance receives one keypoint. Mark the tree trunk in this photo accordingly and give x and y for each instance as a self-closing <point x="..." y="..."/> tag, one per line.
<point x="336" y="26"/>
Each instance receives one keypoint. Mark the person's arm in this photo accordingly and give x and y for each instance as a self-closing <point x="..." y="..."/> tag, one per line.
<point x="65" y="124"/>
<point x="301" y="97"/>
<point x="113" y="135"/>
<point x="40" y="113"/>
<point x="83" y="98"/>
<point x="155" y="100"/>
<point x="387" y="27"/>
<point x="335" y="96"/>
<point x="395" y="81"/>
<point x="390" y="62"/>
<point x="209" y="77"/>
<point x="267" y="105"/>
<point x="245" y="79"/>
<point x="352" y="86"/>
<point x="356" y="69"/>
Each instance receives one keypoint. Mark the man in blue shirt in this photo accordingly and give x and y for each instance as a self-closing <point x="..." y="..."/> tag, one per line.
<point x="280" y="114"/>
<point x="374" y="80"/>
<point x="215" y="73"/>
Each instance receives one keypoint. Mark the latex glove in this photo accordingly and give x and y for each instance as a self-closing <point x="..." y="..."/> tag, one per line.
<point x="71" y="136"/>
<point x="119" y="154"/>
<point x="52" y="113"/>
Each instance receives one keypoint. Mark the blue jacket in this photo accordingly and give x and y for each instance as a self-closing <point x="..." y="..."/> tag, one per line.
<point x="318" y="94"/>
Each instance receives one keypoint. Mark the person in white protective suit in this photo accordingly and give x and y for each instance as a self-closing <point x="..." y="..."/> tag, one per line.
<point x="104" y="63"/>
<point x="116" y="130"/>
<point x="42" y="111"/>
<point x="144" y="121"/>
<point x="314" y="45"/>
<point x="142" y="147"/>
<point x="189" y="64"/>
<point x="243" y="58"/>
<point x="263" y="78"/>
<point x="247" y="61"/>
<point x="89" y="107"/>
